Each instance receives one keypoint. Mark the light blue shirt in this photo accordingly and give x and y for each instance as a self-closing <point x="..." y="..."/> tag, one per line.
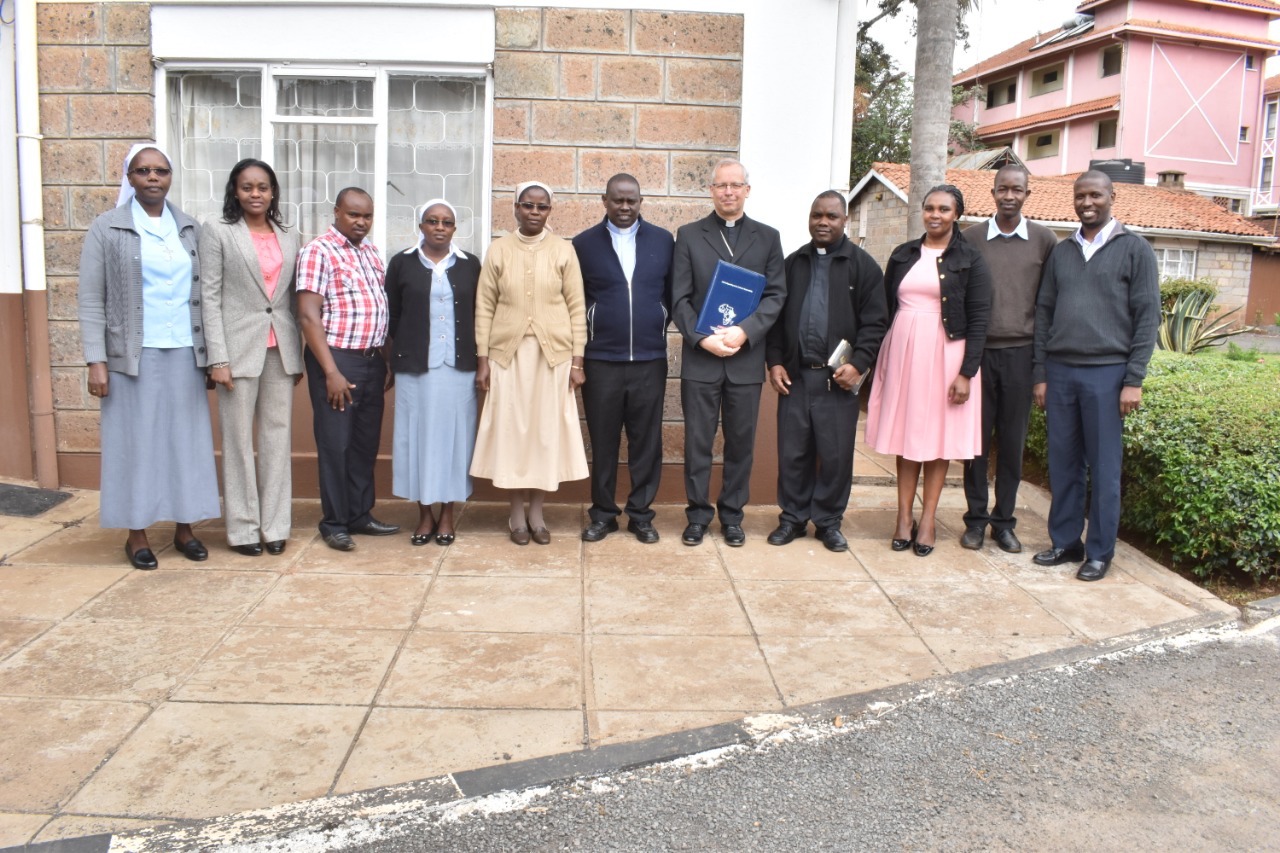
<point x="993" y="230"/>
<point x="443" y="349"/>
<point x="624" y="246"/>
<point x="166" y="281"/>
<point x="1091" y="246"/>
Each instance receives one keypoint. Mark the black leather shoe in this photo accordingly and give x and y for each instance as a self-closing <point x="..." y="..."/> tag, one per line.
<point x="193" y="549"/>
<point x="1008" y="541"/>
<point x="693" y="533"/>
<point x="832" y="539"/>
<point x="972" y="538"/>
<point x="921" y="549"/>
<point x="254" y="550"/>
<point x="785" y="533"/>
<point x="1058" y="556"/>
<point x="644" y="531"/>
<point x="276" y="547"/>
<point x="1093" y="570"/>
<point x="373" y="527"/>
<point x="340" y="541"/>
<point x="734" y="536"/>
<point x="143" y="558"/>
<point x="904" y="544"/>
<point x="597" y="530"/>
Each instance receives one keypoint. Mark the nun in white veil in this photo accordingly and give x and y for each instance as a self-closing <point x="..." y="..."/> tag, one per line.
<point x="141" y="331"/>
<point x="431" y="296"/>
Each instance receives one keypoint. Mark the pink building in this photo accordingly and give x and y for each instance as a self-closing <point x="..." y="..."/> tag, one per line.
<point x="1266" y="198"/>
<point x="1173" y="84"/>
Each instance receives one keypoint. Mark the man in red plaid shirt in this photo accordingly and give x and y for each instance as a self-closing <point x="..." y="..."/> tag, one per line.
<point x="342" y="308"/>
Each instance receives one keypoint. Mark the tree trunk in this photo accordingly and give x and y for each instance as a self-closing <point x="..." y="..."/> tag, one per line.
<point x="931" y="111"/>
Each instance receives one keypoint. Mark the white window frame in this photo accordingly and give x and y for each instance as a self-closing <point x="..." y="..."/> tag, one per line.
<point x="380" y="74"/>
<point x="1271" y="114"/>
<point x="1165" y="253"/>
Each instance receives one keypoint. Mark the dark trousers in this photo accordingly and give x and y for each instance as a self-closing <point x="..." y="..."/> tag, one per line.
<point x="1082" y="412"/>
<point x="735" y="408"/>
<point x="624" y="395"/>
<point x="347" y="441"/>
<point x="1006" y="411"/>
<point x="816" y="426"/>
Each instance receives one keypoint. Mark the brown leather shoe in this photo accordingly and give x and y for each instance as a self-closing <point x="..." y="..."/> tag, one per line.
<point x="519" y="535"/>
<point x="542" y="535"/>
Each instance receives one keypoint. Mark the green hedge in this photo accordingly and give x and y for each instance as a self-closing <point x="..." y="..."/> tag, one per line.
<point x="1202" y="463"/>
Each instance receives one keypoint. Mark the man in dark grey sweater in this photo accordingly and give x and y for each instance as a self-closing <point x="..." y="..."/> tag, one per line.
<point x="1016" y="250"/>
<point x="1096" y="320"/>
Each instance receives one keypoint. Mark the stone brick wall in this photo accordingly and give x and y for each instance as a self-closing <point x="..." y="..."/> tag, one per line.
<point x="580" y="95"/>
<point x="1230" y="266"/>
<point x="878" y="221"/>
<point x="95" y="80"/>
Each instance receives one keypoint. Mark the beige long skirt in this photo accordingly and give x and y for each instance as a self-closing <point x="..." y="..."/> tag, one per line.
<point x="529" y="437"/>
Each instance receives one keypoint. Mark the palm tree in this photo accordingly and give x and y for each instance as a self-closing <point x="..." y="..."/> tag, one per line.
<point x="937" y="23"/>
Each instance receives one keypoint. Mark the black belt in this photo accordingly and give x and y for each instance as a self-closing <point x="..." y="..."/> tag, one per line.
<point x="818" y="366"/>
<point x="367" y="352"/>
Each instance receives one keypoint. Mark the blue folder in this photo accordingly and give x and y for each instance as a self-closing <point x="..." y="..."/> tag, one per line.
<point x="734" y="293"/>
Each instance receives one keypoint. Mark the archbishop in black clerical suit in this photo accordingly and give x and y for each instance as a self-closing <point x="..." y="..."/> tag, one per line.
<point x="714" y="388"/>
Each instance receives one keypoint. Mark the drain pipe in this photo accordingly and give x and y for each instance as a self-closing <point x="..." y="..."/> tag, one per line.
<point x="31" y="206"/>
<point x="842" y="108"/>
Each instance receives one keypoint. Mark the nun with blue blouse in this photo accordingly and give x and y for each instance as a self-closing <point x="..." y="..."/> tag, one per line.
<point x="431" y="296"/>
<point x="141" y="332"/>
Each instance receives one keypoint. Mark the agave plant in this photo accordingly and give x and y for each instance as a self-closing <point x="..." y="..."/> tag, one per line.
<point x="1184" y="328"/>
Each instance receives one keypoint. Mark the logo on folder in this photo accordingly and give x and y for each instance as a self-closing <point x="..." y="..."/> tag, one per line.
<point x="734" y="293"/>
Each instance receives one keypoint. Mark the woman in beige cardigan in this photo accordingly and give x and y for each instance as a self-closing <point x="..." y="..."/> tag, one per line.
<point x="255" y="354"/>
<point x="531" y="329"/>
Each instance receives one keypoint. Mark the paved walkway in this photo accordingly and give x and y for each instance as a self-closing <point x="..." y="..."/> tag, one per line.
<point x="133" y="698"/>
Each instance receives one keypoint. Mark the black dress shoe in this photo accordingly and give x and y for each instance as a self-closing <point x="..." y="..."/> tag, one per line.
<point x="193" y="549"/>
<point x="693" y="533"/>
<point x="373" y="527"/>
<point x="644" y="531"/>
<point x="1093" y="570"/>
<point x="904" y="544"/>
<point x="921" y="549"/>
<point x="254" y="550"/>
<point x="1058" y="556"/>
<point x="734" y="536"/>
<point x="340" y="541"/>
<point x="832" y="538"/>
<point x="597" y="530"/>
<point x="1008" y="541"/>
<point x="785" y="533"/>
<point x="972" y="538"/>
<point x="276" y="547"/>
<point x="142" y="558"/>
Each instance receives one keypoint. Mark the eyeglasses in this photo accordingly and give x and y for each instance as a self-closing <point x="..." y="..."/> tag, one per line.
<point x="531" y="206"/>
<point x="436" y="223"/>
<point x="146" y="171"/>
<point x="735" y="186"/>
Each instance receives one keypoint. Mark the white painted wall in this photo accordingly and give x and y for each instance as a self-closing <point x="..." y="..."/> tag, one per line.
<point x="10" y="239"/>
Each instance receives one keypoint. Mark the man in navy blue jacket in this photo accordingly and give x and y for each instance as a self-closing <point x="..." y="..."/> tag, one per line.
<point x="626" y="274"/>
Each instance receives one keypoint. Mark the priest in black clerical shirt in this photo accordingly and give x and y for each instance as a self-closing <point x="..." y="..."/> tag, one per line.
<point x="835" y="293"/>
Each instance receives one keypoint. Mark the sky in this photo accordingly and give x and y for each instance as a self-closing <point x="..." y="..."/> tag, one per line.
<point x="993" y="26"/>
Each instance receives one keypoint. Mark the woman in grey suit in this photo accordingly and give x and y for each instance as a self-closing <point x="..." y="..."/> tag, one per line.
<point x="255" y="353"/>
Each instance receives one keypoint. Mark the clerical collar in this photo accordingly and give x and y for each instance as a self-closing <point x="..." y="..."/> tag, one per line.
<point x="724" y="223"/>
<point x="832" y="248"/>
<point x="625" y="232"/>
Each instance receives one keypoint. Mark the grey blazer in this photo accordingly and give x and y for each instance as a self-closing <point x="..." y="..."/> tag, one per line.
<point x="237" y="312"/>
<point x="110" y="290"/>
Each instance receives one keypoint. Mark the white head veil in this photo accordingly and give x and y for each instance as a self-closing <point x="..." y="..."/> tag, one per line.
<point x="422" y="211"/>
<point x="527" y="184"/>
<point x="126" y="189"/>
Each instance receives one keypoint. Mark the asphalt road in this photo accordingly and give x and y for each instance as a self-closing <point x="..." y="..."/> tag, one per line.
<point x="1175" y="746"/>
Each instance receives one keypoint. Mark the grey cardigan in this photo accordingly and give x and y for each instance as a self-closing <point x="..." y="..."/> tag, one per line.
<point x="110" y="292"/>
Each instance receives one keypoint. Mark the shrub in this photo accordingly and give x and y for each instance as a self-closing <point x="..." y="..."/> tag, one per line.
<point x="1172" y="288"/>
<point x="1201" y="471"/>
<point x="1239" y="353"/>
<point x="1184" y="328"/>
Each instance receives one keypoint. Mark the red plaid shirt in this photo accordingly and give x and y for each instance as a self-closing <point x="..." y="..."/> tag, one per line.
<point x="350" y="280"/>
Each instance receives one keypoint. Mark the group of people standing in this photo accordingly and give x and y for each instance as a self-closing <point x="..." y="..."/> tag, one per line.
<point x="959" y="329"/>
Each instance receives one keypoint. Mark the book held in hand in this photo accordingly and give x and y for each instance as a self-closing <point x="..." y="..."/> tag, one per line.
<point x="734" y="293"/>
<point x="843" y="354"/>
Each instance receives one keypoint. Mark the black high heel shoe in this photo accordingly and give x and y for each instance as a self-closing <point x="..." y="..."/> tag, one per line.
<point x="920" y="549"/>
<point x="904" y="544"/>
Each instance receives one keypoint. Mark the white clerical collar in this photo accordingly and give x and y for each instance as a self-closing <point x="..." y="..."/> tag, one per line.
<point x="993" y="230"/>
<point x="623" y="232"/>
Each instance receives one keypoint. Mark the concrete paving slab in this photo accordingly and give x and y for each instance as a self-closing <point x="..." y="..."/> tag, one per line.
<point x="808" y="668"/>
<point x="210" y="598"/>
<point x="500" y="604"/>
<point x="489" y="554"/>
<point x="16" y="633"/>
<point x="341" y="601"/>
<point x="76" y="826"/>
<point x="664" y="606"/>
<point x="821" y="609"/>
<point x="679" y="673"/>
<point x="17" y="829"/>
<point x="52" y="592"/>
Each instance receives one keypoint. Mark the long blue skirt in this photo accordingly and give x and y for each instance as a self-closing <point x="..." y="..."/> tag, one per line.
<point x="435" y="435"/>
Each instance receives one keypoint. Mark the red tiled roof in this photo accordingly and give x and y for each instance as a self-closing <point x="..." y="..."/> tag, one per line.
<point x="1051" y="116"/>
<point x="1166" y="28"/>
<point x="1023" y="50"/>
<point x="1271" y="85"/>
<point x="1051" y="201"/>
<point x="1263" y="5"/>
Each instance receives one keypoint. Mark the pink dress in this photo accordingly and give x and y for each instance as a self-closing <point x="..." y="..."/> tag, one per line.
<point x="908" y="414"/>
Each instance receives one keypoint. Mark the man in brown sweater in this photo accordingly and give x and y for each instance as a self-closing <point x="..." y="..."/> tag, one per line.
<point x="1015" y="250"/>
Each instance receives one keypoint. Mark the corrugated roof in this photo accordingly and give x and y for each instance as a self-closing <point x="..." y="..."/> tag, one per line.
<point x="1051" y="200"/>
<point x="1083" y="108"/>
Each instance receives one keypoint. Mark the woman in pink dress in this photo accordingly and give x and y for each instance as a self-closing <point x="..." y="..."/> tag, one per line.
<point x="924" y="407"/>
